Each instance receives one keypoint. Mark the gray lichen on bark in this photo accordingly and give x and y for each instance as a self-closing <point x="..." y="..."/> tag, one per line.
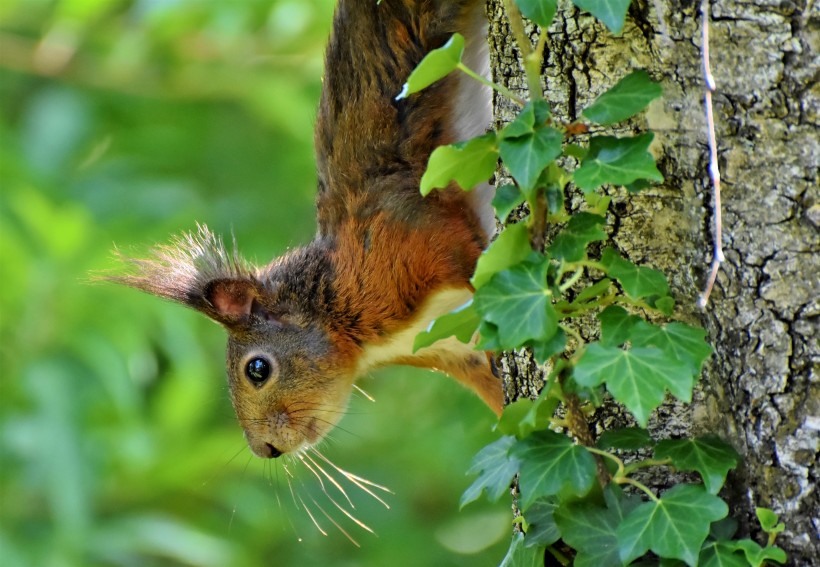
<point x="761" y="388"/>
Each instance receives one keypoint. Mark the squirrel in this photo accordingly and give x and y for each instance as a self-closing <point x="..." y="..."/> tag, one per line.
<point x="385" y="261"/>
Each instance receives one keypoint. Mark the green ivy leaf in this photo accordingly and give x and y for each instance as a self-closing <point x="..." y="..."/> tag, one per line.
<point x="518" y="301"/>
<point x="757" y="555"/>
<point x="675" y="526"/>
<point x="509" y="249"/>
<point x="435" y="65"/>
<point x="611" y="12"/>
<point x="628" y="97"/>
<point x="511" y="417"/>
<point x="519" y="555"/>
<point x="542" y="351"/>
<point x="542" y="529"/>
<point x="637" y="378"/>
<point x="616" y="325"/>
<point x="681" y="341"/>
<point x="467" y="163"/>
<point x="533" y="116"/>
<point x="461" y="322"/>
<point x="769" y="521"/>
<point x="549" y="463"/>
<point x="571" y="243"/>
<point x="506" y="200"/>
<point x="617" y="161"/>
<point x="592" y="529"/>
<point x="488" y="337"/>
<point x="637" y="281"/>
<point x="709" y="456"/>
<point x="627" y="439"/>
<point x="596" y="290"/>
<point x="719" y="554"/>
<point x="495" y="467"/>
<point x="539" y="11"/>
<point x="528" y="155"/>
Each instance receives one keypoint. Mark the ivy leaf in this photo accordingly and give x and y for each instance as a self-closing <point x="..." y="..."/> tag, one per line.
<point x="542" y="529"/>
<point x="627" y="439"/>
<point x="611" y="12"/>
<point x="496" y="468"/>
<point x="435" y="65"/>
<point x="594" y="291"/>
<point x="528" y="155"/>
<point x="637" y="281"/>
<point x="506" y="199"/>
<point x="681" y="341"/>
<point x="511" y="417"/>
<point x="757" y="555"/>
<point x="519" y="555"/>
<point x="488" y="337"/>
<point x="637" y="378"/>
<point x="518" y="301"/>
<point x="769" y="521"/>
<point x="461" y="322"/>
<point x="719" y="554"/>
<point x="509" y="249"/>
<point x="711" y="457"/>
<point x="539" y="11"/>
<point x="628" y="97"/>
<point x="534" y="115"/>
<point x="549" y="463"/>
<point x="618" y="161"/>
<point x="571" y="243"/>
<point x="542" y="351"/>
<point x="592" y="529"/>
<point x="674" y="526"/>
<point x="467" y="163"/>
<point x="616" y="325"/>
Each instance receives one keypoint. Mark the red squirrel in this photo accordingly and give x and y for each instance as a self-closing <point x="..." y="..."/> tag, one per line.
<point x="385" y="261"/>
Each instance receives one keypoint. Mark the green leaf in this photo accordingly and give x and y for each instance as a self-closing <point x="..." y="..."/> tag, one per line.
<point x="551" y="462"/>
<point x="461" y="322"/>
<point x="534" y="115"/>
<point x="618" y="161"/>
<point x="596" y="290"/>
<point x="675" y="526"/>
<point x="435" y="65"/>
<point x="628" y="97"/>
<point x="709" y="456"/>
<point x="627" y="439"/>
<point x="757" y="555"/>
<point x="519" y="303"/>
<point x="528" y="155"/>
<point x="681" y="341"/>
<point x="611" y="12"/>
<point x="719" y="554"/>
<point x="637" y="281"/>
<point x="571" y="243"/>
<point x="488" y="337"/>
<point x="542" y="351"/>
<point x="510" y="421"/>
<point x="509" y="249"/>
<point x="637" y="378"/>
<point x="507" y="198"/>
<point x="542" y="529"/>
<point x="539" y="11"/>
<point x="496" y="469"/>
<point x="467" y="163"/>
<point x="768" y="521"/>
<point x="616" y="325"/>
<point x="519" y="555"/>
<point x="592" y="529"/>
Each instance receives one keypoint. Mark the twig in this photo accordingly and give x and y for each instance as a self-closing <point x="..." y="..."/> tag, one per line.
<point x="714" y="171"/>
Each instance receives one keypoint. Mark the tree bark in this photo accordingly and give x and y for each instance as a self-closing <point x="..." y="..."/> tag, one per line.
<point x="761" y="388"/>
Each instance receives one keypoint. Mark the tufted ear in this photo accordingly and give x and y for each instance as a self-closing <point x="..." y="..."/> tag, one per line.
<point x="197" y="271"/>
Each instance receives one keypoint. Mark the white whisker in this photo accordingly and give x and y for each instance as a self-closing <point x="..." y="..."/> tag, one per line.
<point x="365" y="394"/>
<point x="335" y="523"/>
<point x="362" y="483"/>
<point x="330" y="478"/>
<point x="315" y="523"/>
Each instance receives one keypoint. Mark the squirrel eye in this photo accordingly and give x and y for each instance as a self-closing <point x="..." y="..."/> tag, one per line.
<point x="258" y="370"/>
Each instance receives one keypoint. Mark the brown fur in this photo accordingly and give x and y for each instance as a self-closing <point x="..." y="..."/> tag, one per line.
<point x="381" y="252"/>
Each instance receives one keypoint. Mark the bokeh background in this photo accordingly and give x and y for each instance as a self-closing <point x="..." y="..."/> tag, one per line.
<point x="124" y="122"/>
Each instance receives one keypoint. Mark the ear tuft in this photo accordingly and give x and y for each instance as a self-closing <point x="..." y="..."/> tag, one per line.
<point x="231" y="298"/>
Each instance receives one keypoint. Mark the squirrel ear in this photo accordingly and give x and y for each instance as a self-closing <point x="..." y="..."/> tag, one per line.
<point x="231" y="299"/>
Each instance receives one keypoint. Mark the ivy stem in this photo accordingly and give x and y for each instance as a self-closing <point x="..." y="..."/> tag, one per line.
<point x="579" y="427"/>
<point x="530" y="60"/>
<point x="579" y="271"/>
<point x="620" y="473"/>
<point x="636" y="484"/>
<point x="645" y="463"/>
<point x="538" y="221"/>
<point x="575" y="335"/>
<point x="495" y="86"/>
<point x="560" y="557"/>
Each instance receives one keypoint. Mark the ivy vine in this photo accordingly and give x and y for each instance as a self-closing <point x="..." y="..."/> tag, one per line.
<point x="574" y="489"/>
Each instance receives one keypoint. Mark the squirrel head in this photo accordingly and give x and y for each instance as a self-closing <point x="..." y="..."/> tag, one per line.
<point x="289" y="380"/>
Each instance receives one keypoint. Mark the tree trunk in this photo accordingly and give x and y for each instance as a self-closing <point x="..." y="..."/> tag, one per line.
<point x="761" y="389"/>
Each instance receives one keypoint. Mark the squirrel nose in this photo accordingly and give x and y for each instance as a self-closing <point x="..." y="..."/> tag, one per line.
<point x="273" y="452"/>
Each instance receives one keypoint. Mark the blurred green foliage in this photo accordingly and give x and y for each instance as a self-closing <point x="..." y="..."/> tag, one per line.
<point x="125" y="122"/>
